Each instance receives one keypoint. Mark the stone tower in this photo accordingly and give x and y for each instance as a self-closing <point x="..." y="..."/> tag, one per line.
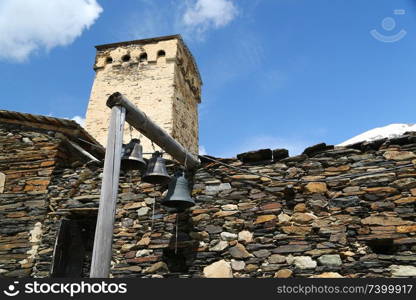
<point x="159" y="76"/>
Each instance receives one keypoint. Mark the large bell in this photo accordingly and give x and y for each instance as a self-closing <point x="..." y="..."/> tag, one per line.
<point x="178" y="195"/>
<point x="156" y="170"/>
<point x="132" y="158"/>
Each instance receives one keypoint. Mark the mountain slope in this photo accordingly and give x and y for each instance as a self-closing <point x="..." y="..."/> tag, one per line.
<point x="389" y="131"/>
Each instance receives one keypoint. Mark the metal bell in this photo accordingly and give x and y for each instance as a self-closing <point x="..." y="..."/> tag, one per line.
<point x="178" y="195"/>
<point x="156" y="170"/>
<point x="132" y="158"/>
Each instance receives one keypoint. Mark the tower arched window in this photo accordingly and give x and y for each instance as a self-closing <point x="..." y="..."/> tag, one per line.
<point x="143" y="57"/>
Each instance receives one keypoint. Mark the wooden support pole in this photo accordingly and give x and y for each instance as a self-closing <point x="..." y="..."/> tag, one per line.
<point x="138" y="119"/>
<point x="102" y="251"/>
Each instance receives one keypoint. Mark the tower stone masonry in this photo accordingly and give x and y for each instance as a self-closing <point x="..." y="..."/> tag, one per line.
<point x="159" y="75"/>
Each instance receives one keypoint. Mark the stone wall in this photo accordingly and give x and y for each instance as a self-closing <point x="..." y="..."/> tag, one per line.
<point x="343" y="212"/>
<point x="27" y="158"/>
<point x="147" y="73"/>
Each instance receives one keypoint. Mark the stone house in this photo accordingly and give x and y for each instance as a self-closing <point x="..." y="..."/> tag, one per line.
<point x="329" y="212"/>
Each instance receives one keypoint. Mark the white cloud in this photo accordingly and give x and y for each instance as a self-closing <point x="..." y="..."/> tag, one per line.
<point x="27" y="26"/>
<point x="204" y="14"/>
<point x="80" y="120"/>
<point x="202" y="150"/>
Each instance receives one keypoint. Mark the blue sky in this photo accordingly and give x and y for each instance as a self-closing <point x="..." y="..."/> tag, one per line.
<point x="277" y="73"/>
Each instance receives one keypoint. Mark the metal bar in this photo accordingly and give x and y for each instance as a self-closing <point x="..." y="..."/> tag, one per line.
<point x="138" y="119"/>
<point x="102" y="251"/>
<point x="82" y="151"/>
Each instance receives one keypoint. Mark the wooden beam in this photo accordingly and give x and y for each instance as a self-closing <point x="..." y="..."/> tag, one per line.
<point x="138" y="119"/>
<point x="102" y="251"/>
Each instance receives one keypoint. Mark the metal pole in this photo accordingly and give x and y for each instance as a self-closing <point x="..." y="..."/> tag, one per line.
<point x="102" y="251"/>
<point x="136" y="118"/>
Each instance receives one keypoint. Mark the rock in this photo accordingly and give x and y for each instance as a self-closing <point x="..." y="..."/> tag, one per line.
<point x="218" y="188"/>
<point x="220" y="246"/>
<point x="291" y="248"/>
<point x="384" y="221"/>
<point x="149" y="201"/>
<point x="127" y="222"/>
<point x="373" y="179"/>
<point x="315" y="149"/>
<point x="338" y="237"/>
<point x="342" y="168"/>
<point x="239" y="251"/>
<point x="127" y="247"/>
<point x="131" y="269"/>
<point x="402" y="271"/>
<point x="143" y="211"/>
<point x="245" y="236"/>
<point x="255" y="156"/>
<point x="237" y="265"/>
<point x="276" y="259"/>
<point x="144" y="252"/>
<point x="229" y="207"/>
<point x="283" y="218"/>
<point x="213" y="229"/>
<point x="345" y="201"/>
<point x="200" y="217"/>
<point x="251" y="268"/>
<point x="303" y="218"/>
<point x="219" y="269"/>
<point x="144" y="241"/>
<point x="328" y="275"/>
<point x="405" y="183"/>
<point x="304" y="262"/>
<point x="330" y="260"/>
<point x="382" y="205"/>
<point x="27" y="140"/>
<point x="228" y="236"/>
<point x="157" y="267"/>
<point x="316" y="187"/>
<point x="406" y="229"/>
<point x="279" y="154"/>
<point x="399" y="155"/>
<point x="134" y="205"/>
<point x="298" y="230"/>
<point x="264" y="218"/>
<point x="275" y="206"/>
<point x="245" y="177"/>
<point x="200" y="236"/>
<point x="263" y="253"/>
<point x="406" y="200"/>
<point x="300" y="207"/>
<point x="283" y="273"/>
<point x="381" y="190"/>
<point x="222" y="214"/>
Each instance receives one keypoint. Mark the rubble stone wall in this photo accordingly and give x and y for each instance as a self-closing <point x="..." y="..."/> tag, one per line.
<point x="27" y="159"/>
<point x="343" y="212"/>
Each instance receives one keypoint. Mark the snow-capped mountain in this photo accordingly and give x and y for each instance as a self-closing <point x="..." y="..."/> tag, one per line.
<point x="389" y="131"/>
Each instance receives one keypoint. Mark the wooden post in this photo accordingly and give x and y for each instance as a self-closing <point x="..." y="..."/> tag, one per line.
<point x="102" y="251"/>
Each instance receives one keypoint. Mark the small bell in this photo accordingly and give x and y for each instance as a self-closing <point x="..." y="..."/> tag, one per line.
<point x="178" y="195"/>
<point x="132" y="158"/>
<point x="156" y="170"/>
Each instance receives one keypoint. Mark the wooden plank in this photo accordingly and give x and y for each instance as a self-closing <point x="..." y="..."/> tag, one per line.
<point x="102" y="251"/>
